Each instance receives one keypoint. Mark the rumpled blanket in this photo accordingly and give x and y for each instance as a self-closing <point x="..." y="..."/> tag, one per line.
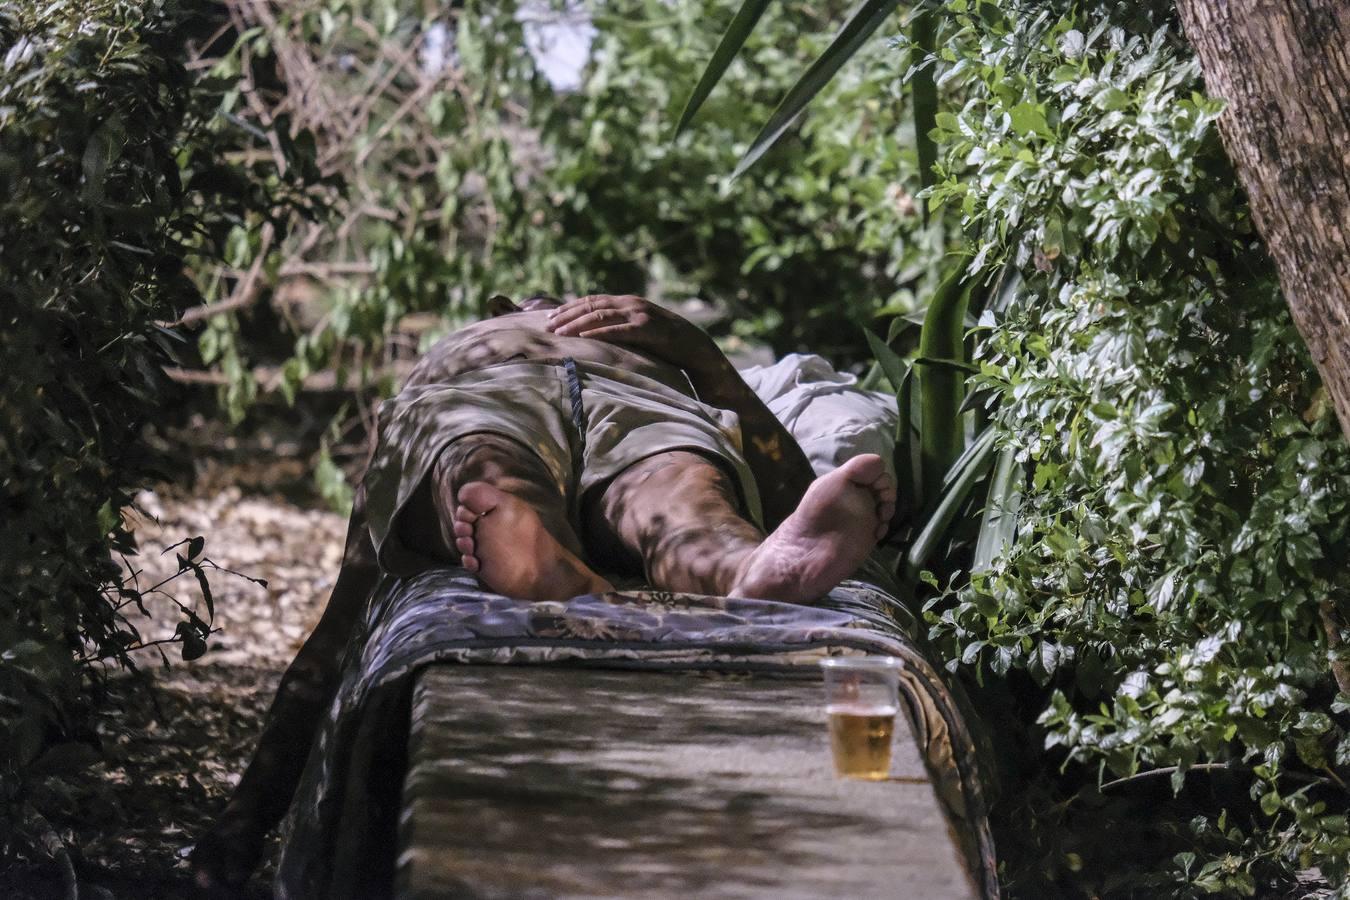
<point x="832" y="418"/>
<point x="341" y="832"/>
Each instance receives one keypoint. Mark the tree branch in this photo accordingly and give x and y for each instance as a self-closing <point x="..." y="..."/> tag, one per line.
<point x="245" y="292"/>
<point x="269" y="378"/>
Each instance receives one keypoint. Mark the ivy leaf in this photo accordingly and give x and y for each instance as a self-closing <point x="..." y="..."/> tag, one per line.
<point x="1111" y="98"/>
<point x="1029" y="118"/>
<point x="206" y="591"/>
<point x="107" y="517"/>
<point x="194" y="645"/>
<point x="1002" y="662"/>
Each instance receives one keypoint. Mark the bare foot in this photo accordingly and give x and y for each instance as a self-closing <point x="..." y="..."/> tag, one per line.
<point x="503" y="540"/>
<point x="840" y="519"/>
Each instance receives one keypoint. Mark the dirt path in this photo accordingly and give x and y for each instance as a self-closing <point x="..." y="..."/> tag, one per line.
<point x="176" y="739"/>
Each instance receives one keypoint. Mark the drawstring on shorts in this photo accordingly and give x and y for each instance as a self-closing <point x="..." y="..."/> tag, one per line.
<point x="574" y="390"/>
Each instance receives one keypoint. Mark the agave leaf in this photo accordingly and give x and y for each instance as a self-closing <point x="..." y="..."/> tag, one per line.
<point x="976" y="447"/>
<point x="909" y="487"/>
<point x="892" y="366"/>
<point x="958" y="367"/>
<point x="998" y="525"/>
<point x="733" y="39"/>
<point x="859" y="27"/>
<point x="969" y="470"/>
<point x="923" y="35"/>
<point x="978" y="399"/>
<point x="899" y="325"/>
<point x="942" y="349"/>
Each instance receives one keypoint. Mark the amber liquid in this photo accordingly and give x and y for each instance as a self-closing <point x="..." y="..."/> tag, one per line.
<point x="860" y="740"/>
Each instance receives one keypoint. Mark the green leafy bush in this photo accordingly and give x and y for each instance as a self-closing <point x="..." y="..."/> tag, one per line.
<point x="805" y="248"/>
<point x="472" y="176"/>
<point x="1187" y="495"/>
<point x="110" y="176"/>
<point x="1155" y="584"/>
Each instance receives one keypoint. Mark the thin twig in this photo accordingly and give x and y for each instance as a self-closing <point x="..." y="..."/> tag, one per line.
<point x="269" y="378"/>
<point x="1165" y="770"/>
<point x="1208" y="767"/>
<point x="245" y="293"/>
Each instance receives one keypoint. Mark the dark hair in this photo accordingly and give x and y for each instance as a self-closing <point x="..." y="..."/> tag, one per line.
<point x="501" y="305"/>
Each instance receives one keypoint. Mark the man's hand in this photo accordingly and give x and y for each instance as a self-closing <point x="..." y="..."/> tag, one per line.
<point x="634" y="322"/>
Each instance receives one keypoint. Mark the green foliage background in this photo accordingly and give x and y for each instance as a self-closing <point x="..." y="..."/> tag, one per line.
<point x="535" y="190"/>
<point x="110" y="182"/>
<point x="1183" y="518"/>
<point x="1147" y="592"/>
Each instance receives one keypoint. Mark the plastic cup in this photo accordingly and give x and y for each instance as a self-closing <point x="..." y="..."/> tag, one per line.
<point x="861" y="700"/>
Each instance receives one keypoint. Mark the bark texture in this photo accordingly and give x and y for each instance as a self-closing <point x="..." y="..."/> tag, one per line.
<point x="1283" y="66"/>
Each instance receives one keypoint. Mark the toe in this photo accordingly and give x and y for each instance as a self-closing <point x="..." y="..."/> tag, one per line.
<point x="463" y="529"/>
<point x="464" y="515"/>
<point x="480" y="497"/>
<point x="465" y="546"/>
<point x="865" y="468"/>
<point x="470" y="563"/>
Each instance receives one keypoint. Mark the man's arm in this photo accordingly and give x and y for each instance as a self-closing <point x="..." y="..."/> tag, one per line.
<point x="781" y="469"/>
<point x="227" y="854"/>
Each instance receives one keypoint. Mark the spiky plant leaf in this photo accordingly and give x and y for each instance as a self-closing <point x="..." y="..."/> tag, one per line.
<point x="859" y="27"/>
<point x="733" y="39"/>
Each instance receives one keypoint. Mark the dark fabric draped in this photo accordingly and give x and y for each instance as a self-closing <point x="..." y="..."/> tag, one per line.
<point x="341" y="834"/>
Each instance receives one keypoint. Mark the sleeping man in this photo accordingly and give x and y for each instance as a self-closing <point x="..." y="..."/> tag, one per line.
<point x="547" y="447"/>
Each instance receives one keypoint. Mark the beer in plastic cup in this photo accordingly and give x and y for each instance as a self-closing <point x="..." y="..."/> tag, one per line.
<point x="861" y="700"/>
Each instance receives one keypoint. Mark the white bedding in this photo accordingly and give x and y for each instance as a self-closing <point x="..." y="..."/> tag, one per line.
<point x="830" y="416"/>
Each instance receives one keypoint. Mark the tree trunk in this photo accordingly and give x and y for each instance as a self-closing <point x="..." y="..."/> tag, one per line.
<point x="1283" y="66"/>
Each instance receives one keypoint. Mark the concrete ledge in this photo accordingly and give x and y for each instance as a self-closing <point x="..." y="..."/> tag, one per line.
<point x="553" y="782"/>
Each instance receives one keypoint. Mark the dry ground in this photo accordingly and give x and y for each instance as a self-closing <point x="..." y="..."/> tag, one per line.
<point x="176" y="739"/>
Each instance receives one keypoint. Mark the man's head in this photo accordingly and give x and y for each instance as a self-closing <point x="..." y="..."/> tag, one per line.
<point x="500" y="305"/>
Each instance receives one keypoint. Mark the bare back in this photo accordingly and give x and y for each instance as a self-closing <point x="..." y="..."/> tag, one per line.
<point x="522" y="336"/>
